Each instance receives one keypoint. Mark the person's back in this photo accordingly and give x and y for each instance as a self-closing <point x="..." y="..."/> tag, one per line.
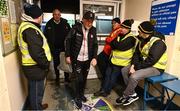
<point x="35" y="54"/>
<point x="159" y="35"/>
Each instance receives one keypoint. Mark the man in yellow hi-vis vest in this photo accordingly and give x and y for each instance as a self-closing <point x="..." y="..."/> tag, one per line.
<point x="149" y="59"/>
<point x="35" y="55"/>
<point x="123" y="48"/>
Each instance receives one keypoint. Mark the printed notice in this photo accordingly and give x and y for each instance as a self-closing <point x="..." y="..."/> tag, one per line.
<point x="6" y="31"/>
<point x="165" y="13"/>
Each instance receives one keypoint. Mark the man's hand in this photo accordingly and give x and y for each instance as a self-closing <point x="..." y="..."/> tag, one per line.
<point x="68" y="60"/>
<point x="132" y="70"/>
<point x="93" y="62"/>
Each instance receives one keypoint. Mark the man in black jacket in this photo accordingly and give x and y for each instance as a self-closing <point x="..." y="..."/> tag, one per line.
<point x="81" y="51"/>
<point x="35" y="53"/>
<point x="55" y="31"/>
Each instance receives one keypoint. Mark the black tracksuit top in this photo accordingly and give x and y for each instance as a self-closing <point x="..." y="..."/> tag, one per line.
<point x="74" y="40"/>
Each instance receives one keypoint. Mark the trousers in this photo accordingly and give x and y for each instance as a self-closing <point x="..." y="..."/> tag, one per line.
<point x="131" y="80"/>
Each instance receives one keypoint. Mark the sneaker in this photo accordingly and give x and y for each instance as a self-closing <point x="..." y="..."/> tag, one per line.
<point x="120" y="100"/>
<point x="77" y="103"/>
<point x="130" y="99"/>
<point x="83" y="98"/>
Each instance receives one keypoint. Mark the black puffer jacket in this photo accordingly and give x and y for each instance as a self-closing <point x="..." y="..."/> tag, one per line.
<point x="74" y="40"/>
<point x="56" y="33"/>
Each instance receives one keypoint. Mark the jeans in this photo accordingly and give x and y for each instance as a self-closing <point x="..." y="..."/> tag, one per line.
<point x="35" y="94"/>
<point x="112" y="74"/>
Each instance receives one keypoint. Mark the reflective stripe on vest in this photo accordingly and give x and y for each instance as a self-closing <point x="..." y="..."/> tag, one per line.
<point x="26" y="58"/>
<point x="123" y="58"/>
<point x="162" y="62"/>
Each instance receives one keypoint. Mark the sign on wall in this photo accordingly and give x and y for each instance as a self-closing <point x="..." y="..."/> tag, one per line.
<point x="6" y="36"/>
<point x="165" y="12"/>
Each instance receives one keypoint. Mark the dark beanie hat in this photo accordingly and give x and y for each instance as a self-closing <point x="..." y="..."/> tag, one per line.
<point x="146" y="27"/>
<point x="116" y="20"/>
<point x="32" y="10"/>
<point x="127" y="23"/>
<point x="89" y="15"/>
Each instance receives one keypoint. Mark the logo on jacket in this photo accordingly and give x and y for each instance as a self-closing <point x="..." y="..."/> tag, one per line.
<point x="91" y="36"/>
<point x="78" y="34"/>
<point x="37" y="32"/>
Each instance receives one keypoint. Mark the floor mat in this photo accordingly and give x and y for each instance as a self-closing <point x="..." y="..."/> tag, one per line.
<point x="96" y="104"/>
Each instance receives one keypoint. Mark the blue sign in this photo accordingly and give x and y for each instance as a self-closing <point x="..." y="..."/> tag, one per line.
<point x="165" y="13"/>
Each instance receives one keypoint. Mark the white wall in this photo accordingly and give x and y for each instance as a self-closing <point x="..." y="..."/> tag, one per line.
<point x="4" y="96"/>
<point x="15" y="81"/>
<point x="12" y="83"/>
<point x="139" y="10"/>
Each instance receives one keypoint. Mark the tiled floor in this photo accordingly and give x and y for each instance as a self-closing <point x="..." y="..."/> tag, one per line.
<point x="59" y="96"/>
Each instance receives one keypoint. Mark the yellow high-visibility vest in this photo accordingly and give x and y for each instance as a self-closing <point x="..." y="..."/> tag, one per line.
<point x="162" y="62"/>
<point x="26" y="58"/>
<point x="123" y="58"/>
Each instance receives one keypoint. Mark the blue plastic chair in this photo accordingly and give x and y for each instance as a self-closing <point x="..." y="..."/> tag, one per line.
<point x="163" y="77"/>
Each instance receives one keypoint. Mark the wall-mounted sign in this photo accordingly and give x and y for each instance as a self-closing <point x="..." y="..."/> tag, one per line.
<point x="165" y="12"/>
<point x="6" y="38"/>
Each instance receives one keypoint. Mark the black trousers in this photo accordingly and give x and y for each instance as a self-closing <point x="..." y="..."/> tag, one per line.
<point x="102" y="63"/>
<point x="80" y="69"/>
<point x="56" y="61"/>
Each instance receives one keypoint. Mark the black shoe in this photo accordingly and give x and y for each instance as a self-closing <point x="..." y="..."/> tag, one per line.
<point x="104" y="94"/>
<point x="101" y="93"/>
<point x="98" y="93"/>
<point x="77" y="103"/>
<point x="67" y="81"/>
<point x="83" y="98"/>
<point x="57" y="81"/>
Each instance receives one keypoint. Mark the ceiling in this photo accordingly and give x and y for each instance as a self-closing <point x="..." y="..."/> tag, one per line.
<point x="66" y="6"/>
